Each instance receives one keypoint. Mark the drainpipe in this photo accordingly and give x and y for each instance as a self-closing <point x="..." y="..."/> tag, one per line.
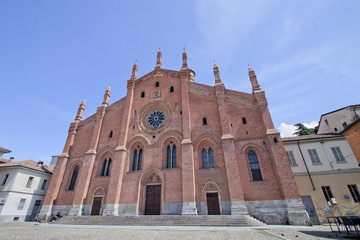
<point x="307" y="169"/>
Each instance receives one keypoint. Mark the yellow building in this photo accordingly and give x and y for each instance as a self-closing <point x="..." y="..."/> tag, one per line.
<point x="327" y="175"/>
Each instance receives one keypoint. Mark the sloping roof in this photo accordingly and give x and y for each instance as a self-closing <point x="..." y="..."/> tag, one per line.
<point x="3" y="160"/>
<point x="4" y="150"/>
<point x="356" y="105"/>
<point x="311" y="137"/>
<point x="29" y="164"/>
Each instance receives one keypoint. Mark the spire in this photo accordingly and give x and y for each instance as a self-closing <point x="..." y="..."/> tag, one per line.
<point x="216" y="74"/>
<point x="80" y="112"/>
<point x="253" y="80"/>
<point x="134" y="71"/>
<point x="158" y="60"/>
<point x="184" y="58"/>
<point x="106" y="97"/>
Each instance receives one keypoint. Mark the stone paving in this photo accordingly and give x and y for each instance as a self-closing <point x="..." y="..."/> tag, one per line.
<point x="27" y="230"/>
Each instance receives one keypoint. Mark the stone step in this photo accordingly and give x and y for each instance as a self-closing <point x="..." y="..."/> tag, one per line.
<point x="164" y="220"/>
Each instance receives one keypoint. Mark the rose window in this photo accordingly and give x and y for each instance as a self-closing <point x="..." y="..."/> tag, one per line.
<point x="156" y="119"/>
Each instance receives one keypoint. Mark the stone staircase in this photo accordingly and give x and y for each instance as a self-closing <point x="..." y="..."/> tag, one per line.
<point x="164" y="220"/>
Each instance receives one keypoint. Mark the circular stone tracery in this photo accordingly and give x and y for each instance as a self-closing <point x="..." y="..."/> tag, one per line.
<point x="155" y="119"/>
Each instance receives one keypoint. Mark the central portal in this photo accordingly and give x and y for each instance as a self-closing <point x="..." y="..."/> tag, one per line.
<point x="153" y="200"/>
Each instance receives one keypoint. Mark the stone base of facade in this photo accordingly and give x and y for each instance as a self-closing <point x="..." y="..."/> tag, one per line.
<point x="189" y="208"/>
<point x="282" y="212"/>
<point x="76" y="210"/>
<point x="239" y="208"/>
<point x="296" y="213"/>
<point x="45" y="212"/>
<point x="110" y="210"/>
<point x="290" y="211"/>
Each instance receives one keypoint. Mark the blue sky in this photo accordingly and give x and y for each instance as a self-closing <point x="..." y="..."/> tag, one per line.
<point x="53" y="54"/>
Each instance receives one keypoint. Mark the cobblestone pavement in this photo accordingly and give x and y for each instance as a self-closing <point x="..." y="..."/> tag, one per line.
<point x="26" y="230"/>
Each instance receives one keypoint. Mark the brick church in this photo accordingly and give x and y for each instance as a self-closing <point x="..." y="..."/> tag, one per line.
<point x="172" y="146"/>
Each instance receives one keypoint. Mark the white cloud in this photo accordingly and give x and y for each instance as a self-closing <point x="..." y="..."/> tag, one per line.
<point x="288" y="130"/>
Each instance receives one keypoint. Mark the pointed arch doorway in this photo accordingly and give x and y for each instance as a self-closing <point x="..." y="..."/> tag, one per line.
<point x="98" y="197"/>
<point x="153" y="195"/>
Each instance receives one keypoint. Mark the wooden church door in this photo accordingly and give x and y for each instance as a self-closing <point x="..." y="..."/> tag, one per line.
<point x="213" y="203"/>
<point x="153" y="200"/>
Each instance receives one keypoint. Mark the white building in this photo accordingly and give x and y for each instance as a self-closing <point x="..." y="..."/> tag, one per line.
<point x="23" y="187"/>
<point x="336" y="121"/>
<point x="326" y="173"/>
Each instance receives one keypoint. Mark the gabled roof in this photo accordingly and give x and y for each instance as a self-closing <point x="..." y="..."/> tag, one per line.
<point x="312" y="137"/>
<point x="4" y="150"/>
<point x="28" y="164"/>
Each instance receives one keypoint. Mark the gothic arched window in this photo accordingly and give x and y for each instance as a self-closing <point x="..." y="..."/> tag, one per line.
<point x="137" y="159"/>
<point x="73" y="178"/>
<point x="171" y="156"/>
<point x="104" y="168"/>
<point x="208" y="158"/>
<point x="107" y="172"/>
<point x="254" y="166"/>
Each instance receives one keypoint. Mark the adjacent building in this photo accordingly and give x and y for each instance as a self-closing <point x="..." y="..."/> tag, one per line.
<point x="326" y="173"/>
<point x="352" y="134"/>
<point x="23" y="187"/>
<point x="173" y="146"/>
<point x="336" y="121"/>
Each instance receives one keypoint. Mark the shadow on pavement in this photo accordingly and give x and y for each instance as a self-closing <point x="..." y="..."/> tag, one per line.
<point x="328" y="234"/>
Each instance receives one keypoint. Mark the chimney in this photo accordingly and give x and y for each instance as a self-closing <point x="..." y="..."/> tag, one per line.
<point x="11" y="158"/>
<point x="40" y="163"/>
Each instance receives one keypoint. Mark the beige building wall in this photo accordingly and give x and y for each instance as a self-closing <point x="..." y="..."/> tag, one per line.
<point x="310" y="177"/>
<point x="338" y="184"/>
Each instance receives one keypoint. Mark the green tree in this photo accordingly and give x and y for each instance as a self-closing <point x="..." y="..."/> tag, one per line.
<point x="302" y="130"/>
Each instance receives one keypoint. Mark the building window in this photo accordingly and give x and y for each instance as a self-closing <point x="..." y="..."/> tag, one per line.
<point x="338" y="154"/>
<point x="29" y="182"/>
<point x="254" y="166"/>
<point x="137" y="159"/>
<point x="43" y="186"/>
<point x="73" y="178"/>
<point x="142" y="94"/>
<point x="354" y="193"/>
<point x="344" y="124"/>
<point x="107" y="173"/>
<point x="314" y="156"/>
<point x="291" y="158"/>
<point x="111" y="133"/>
<point x="244" y="120"/>
<point x="204" y="121"/>
<point x="208" y="158"/>
<point x="21" y="204"/>
<point x="106" y="168"/>
<point x="171" y="89"/>
<point x="171" y="156"/>
<point x="5" y="179"/>
<point x="327" y="193"/>
<point x="326" y="121"/>
<point x="157" y="84"/>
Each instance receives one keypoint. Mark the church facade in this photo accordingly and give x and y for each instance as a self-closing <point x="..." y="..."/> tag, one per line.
<point x="172" y="146"/>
